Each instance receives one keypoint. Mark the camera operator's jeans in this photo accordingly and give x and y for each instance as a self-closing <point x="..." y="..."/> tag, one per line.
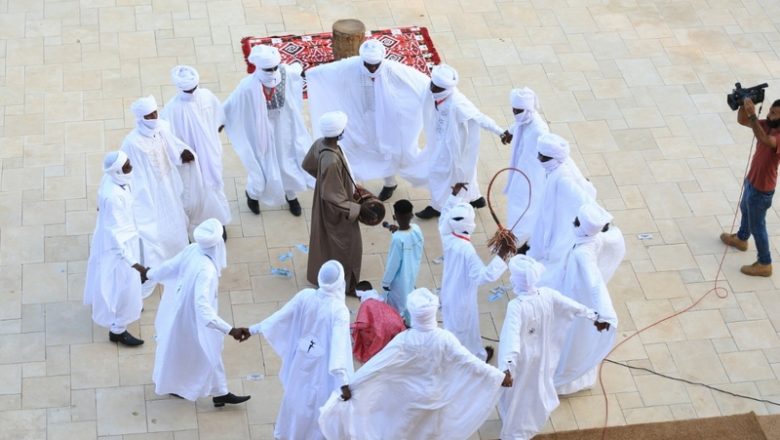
<point x="753" y="206"/>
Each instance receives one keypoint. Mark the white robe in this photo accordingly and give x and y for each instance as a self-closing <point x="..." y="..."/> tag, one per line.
<point x="195" y="119"/>
<point x="270" y="143"/>
<point x="452" y="147"/>
<point x="612" y="249"/>
<point x="424" y="385"/>
<point x="525" y="158"/>
<point x="190" y="334"/>
<point x="112" y="286"/>
<point x="461" y="277"/>
<point x="535" y="329"/>
<point x="553" y="234"/>
<point x="159" y="192"/>
<point x="584" y="349"/>
<point x="403" y="266"/>
<point x="311" y="336"/>
<point x="385" y="115"/>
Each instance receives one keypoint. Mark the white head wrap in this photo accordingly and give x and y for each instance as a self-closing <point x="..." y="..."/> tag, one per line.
<point x="185" y="77"/>
<point x="143" y="106"/>
<point x="592" y="219"/>
<point x="524" y="273"/>
<point x="264" y="57"/>
<point x="444" y="76"/>
<point x="422" y="306"/>
<point x="113" y="163"/>
<point x="524" y="98"/>
<point x="460" y="220"/>
<point x="372" y="51"/>
<point x="333" y="124"/>
<point x="552" y="145"/>
<point x="208" y="235"/>
<point x="331" y="279"/>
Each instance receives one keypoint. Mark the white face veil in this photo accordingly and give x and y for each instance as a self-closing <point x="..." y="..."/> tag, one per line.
<point x="461" y="220"/>
<point x="266" y="57"/>
<point x="208" y="235"/>
<point x="552" y="145"/>
<point x="592" y="218"/>
<point x="143" y="107"/>
<point x="112" y="167"/>
<point x="331" y="279"/>
<point x="524" y="273"/>
<point x="445" y="77"/>
<point x="422" y="306"/>
<point x="524" y="99"/>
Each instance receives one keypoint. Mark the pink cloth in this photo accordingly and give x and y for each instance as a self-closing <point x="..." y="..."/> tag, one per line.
<point x="377" y="323"/>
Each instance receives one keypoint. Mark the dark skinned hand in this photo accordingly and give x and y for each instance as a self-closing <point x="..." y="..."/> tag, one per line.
<point x="187" y="156"/>
<point x="601" y="326"/>
<point x="346" y="393"/>
<point x="221" y="127"/>
<point x="240" y="334"/>
<point x="141" y="270"/>
<point x="508" y="382"/>
<point x="506" y="137"/>
<point x="458" y="186"/>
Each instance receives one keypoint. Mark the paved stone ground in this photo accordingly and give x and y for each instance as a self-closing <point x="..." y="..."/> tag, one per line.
<point x="637" y="87"/>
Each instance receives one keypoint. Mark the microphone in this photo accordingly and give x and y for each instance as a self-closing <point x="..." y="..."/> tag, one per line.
<point x="386" y="225"/>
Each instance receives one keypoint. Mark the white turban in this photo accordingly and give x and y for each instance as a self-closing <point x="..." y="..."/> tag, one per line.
<point x="592" y="219"/>
<point x="524" y="273"/>
<point x="185" y="77"/>
<point x="444" y="76"/>
<point x="208" y="235"/>
<point x="372" y="51"/>
<point x="114" y="161"/>
<point x="552" y="145"/>
<point x="331" y="279"/>
<point x="264" y="57"/>
<point x="144" y="106"/>
<point x="524" y="99"/>
<point x="333" y="124"/>
<point x="461" y="220"/>
<point x="422" y="306"/>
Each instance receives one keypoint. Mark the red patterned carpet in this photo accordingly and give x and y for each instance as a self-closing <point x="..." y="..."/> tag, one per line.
<point x="409" y="45"/>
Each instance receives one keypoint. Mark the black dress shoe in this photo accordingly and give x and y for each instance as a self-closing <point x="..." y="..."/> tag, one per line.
<point x="479" y="203"/>
<point x="490" y="352"/>
<point x="295" y="207"/>
<point x="175" y="395"/>
<point x="387" y="192"/>
<point x="230" y="399"/>
<point x="224" y="233"/>
<point x="125" y="339"/>
<point x="253" y="204"/>
<point x="428" y="212"/>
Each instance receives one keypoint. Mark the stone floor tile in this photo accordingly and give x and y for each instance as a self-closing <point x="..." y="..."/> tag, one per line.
<point x="170" y="415"/>
<point x="227" y="424"/>
<point x="45" y="392"/>
<point x="67" y="431"/>
<point x="120" y="410"/>
<point x="94" y="365"/>
<point x="24" y="424"/>
<point x="743" y="366"/>
<point x="751" y="335"/>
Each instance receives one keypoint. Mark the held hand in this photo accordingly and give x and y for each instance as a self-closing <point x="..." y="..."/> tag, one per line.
<point x="506" y="137"/>
<point x="187" y="156"/>
<point x="750" y="108"/>
<point x="508" y="382"/>
<point x="141" y="270"/>
<point x="458" y="186"/>
<point x="346" y="393"/>
<point x="601" y="326"/>
<point x="392" y="228"/>
<point x="240" y="334"/>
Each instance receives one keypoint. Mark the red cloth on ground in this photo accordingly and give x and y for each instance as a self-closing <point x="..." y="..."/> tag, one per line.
<point x="377" y="323"/>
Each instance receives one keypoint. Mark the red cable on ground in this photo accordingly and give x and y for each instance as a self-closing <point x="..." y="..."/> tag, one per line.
<point x="715" y="289"/>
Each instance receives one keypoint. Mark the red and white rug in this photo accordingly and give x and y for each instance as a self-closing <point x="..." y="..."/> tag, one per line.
<point x="409" y="45"/>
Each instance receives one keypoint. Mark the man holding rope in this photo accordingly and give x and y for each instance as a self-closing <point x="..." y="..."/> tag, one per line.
<point x="759" y="187"/>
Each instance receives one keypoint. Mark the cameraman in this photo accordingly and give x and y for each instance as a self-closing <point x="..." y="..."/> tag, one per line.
<point x="759" y="186"/>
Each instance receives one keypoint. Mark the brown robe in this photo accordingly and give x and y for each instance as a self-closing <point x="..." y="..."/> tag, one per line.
<point x="335" y="232"/>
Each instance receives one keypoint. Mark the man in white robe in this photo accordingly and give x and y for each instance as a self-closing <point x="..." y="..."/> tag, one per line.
<point x="463" y="273"/>
<point x="195" y="116"/>
<point x="157" y="185"/>
<point x="452" y="136"/>
<point x="114" y="272"/>
<point x="563" y="194"/>
<point x="582" y="281"/>
<point x="311" y="336"/>
<point x="535" y="328"/>
<point x="528" y="126"/>
<point x="424" y="385"/>
<point x="382" y="99"/>
<point x="190" y="334"/>
<point x="263" y="119"/>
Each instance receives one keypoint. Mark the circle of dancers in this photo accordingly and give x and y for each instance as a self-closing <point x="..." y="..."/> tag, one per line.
<point x="161" y="219"/>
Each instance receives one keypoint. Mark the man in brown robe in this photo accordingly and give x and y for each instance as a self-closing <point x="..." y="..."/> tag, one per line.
<point x="335" y="232"/>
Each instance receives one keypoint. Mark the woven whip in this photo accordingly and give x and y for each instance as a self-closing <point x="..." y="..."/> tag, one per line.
<point x="504" y="243"/>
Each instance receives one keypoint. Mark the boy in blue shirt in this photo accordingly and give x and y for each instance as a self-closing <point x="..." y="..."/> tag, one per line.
<point x="404" y="257"/>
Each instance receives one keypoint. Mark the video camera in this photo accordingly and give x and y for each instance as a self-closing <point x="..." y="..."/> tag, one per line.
<point x="738" y="95"/>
